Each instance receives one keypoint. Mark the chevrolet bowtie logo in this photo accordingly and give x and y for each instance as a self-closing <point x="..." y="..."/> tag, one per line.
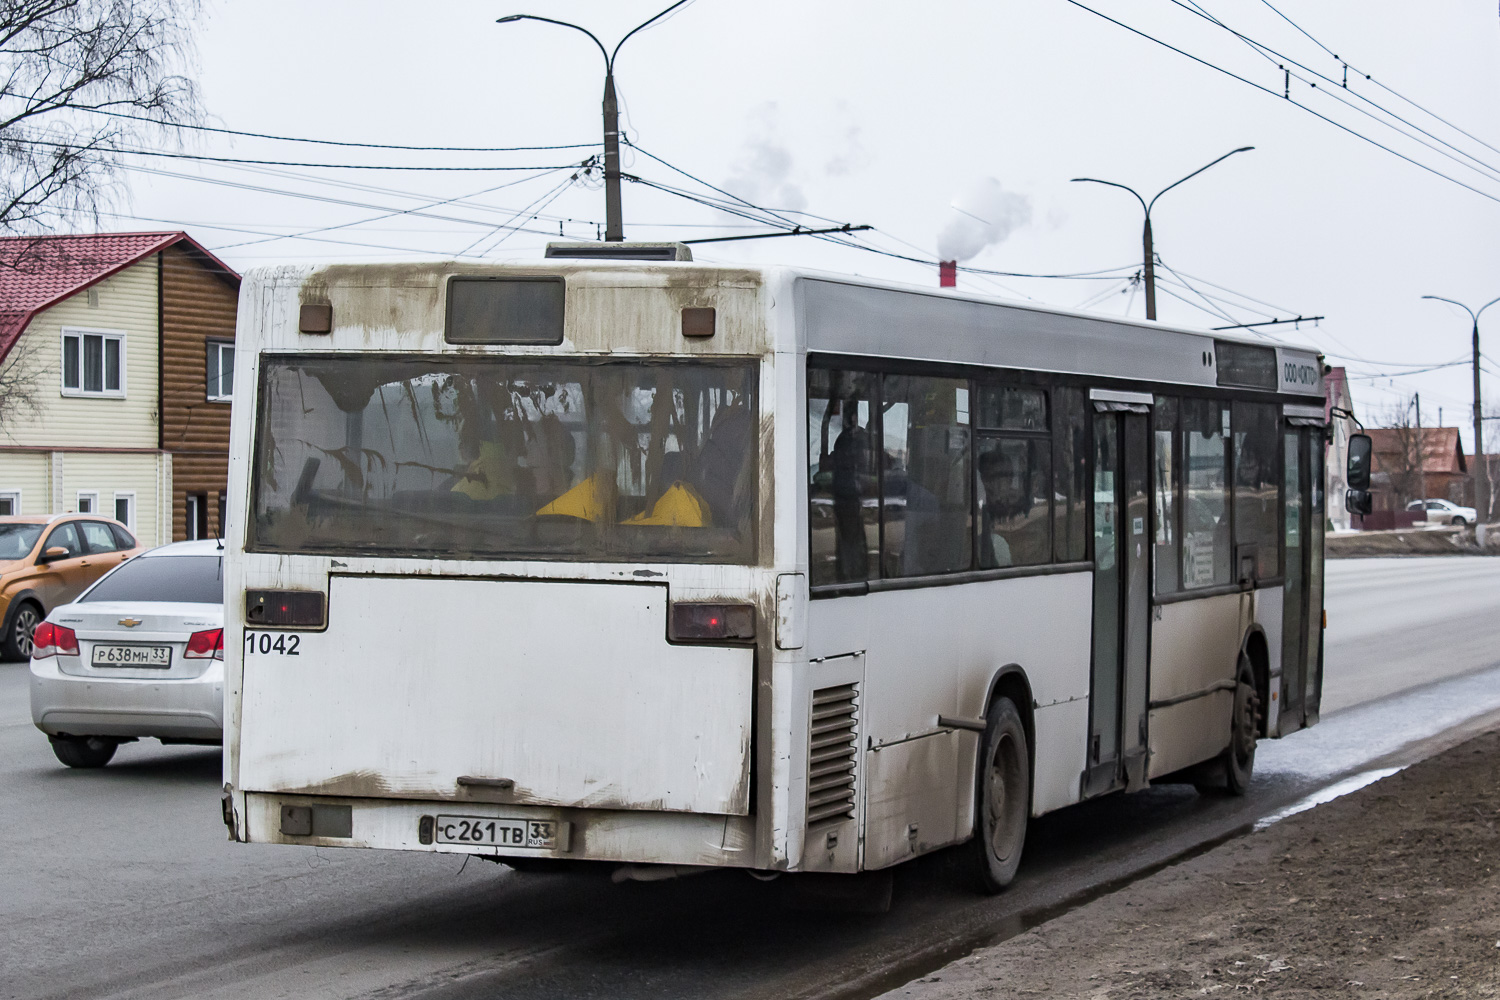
<point x="130" y="622"/>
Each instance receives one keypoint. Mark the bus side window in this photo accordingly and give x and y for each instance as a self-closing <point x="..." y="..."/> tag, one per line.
<point x="925" y="428"/>
<point x="843" y="484"/>
<point x="1166" y="481"/>
<point x="1256" y="485"/>
<point x="1205" y="506"/>
<point x="1071" y="468"/>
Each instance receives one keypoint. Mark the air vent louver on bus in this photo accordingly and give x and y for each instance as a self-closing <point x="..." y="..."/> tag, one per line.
<point x="832" y="747"/>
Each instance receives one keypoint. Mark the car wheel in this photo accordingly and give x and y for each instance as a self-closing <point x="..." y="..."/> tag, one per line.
<point x="83" y="751"/>
<point x="1002" y="798"/>
<point x="1458" y="522"/>
<point x="17" y="644"/>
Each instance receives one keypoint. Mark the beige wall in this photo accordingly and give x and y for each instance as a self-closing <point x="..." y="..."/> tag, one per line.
<point x="29" y="473"/>
<point x="127" y="302"/>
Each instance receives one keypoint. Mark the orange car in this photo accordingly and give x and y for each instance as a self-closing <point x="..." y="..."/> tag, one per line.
<point x="49" y="560"/>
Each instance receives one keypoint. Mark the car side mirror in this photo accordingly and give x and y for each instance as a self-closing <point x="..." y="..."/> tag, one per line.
<point x="53" y="554"/>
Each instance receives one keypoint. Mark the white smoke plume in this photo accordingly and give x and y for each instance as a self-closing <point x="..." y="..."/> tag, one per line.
<point x="983" y="215"/>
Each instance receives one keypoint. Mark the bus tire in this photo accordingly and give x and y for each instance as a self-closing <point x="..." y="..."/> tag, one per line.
<point x="1002" y="797"/>
<point x="1230" y="772"/>
<point x="83" y="751"/>
<point x="1244" y="725"/>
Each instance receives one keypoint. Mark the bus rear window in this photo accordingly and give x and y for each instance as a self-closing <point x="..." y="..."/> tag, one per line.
<point x="500" y="458"/>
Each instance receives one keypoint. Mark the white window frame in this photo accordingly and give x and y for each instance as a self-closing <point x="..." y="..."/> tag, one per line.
<point x="216" y="345"/>
<point x="93" y="498"/>
<point x="14" y="496"/>
<point x="127" y="495"/>
<point x="190" y="503"/>
<point x="62" y="346"/>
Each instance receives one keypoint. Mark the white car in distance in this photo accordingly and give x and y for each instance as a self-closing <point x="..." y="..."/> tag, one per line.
<point x="138" y="654"/>
<point x="1443" y="512"/>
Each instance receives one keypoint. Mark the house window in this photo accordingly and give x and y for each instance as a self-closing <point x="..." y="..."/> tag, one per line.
<point x="219" y="373"/>
<point x="88" y="501"/>
<point x="125" y="509"/>
<point x="196" y="515"/>
<point x="10" y="502"/>
<point x="92" y="363"/>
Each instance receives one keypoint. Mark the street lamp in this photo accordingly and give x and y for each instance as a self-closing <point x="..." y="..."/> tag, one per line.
<point x="1481" y="480"/>
<point x="1146" y="236"/>
<point x="614" y="229"/>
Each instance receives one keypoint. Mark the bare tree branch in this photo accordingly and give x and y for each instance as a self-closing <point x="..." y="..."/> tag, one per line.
<point x="21" y="377"/>
<point x="61" y="60"/>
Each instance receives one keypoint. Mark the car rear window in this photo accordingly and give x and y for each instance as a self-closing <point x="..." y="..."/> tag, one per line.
<point x="187" y="579"/>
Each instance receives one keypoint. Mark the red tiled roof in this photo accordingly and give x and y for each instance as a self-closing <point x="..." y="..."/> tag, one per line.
<point x="37" y="272"/>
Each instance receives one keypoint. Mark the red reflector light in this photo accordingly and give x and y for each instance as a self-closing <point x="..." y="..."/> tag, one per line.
<point x="206" y="645"/>
<point x="53" y="640"/>
<point x="688" y="622"/>
<point x="298" y="608"/>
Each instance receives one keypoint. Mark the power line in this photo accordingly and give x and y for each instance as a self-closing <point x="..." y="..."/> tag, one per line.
<point x="1265" y="51"/>
<point x="1382" y="86"/>
<point x="1287" y="98"/>
<point x="283" y="163"/>
<point x="334" y="142"/>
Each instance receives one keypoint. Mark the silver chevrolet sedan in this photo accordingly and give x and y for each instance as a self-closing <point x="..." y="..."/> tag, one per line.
<point x="138" y="654"/>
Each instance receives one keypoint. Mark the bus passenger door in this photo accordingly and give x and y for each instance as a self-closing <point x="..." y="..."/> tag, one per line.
<point x="1122" y="589"/>
<point x="1302" y="615"/>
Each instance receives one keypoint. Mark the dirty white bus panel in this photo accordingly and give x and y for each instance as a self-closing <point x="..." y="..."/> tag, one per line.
<point x="666" y="563"/>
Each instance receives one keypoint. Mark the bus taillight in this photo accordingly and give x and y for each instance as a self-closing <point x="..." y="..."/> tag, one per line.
<point x="694" y="622"/>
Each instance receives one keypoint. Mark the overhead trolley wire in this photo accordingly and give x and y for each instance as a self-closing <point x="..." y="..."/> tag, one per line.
<point x="282" y="163"/>
<point x="1267" y="90"/>
<point x="335" y="142"/>
<point x="1335" y="88"/>
<point x="1393" y="92"/>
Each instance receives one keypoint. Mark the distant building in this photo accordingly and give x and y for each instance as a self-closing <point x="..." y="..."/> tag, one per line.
<point x="1336" y="382"/>
<point x="130" y="340"/>
<point x="1398" y="477"/>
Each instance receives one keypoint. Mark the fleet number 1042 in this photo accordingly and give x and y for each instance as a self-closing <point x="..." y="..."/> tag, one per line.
<point x="268" y="643"/>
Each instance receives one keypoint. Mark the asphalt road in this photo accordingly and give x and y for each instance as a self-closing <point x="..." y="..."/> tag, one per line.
<point x="119" y="883"/>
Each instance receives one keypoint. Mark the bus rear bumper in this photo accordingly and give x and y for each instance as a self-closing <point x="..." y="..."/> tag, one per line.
<point x="619" y="836"/>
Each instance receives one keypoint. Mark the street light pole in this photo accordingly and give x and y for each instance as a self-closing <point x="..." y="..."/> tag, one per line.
<point x="1482" y="473"/>
<point x="614" y="226"/>
<point x="1149" y="270"/>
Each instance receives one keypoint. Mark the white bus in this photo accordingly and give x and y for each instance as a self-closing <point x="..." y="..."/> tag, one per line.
<point x="663" y="563"/>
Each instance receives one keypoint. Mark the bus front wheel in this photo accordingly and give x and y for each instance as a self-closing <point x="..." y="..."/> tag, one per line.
<point x="1231" y="771"/>
<point x="1002" y="798"/>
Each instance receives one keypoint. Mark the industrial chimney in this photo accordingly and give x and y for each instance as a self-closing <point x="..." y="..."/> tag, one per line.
<point x="947" y="274"/>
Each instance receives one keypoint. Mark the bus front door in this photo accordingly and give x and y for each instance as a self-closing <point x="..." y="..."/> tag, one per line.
<point x="1122" y="603"/>
<point x="1302" y="612"/>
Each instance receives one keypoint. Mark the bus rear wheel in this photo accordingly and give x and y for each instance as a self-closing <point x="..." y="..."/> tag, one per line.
<point x="1002" y="797"/>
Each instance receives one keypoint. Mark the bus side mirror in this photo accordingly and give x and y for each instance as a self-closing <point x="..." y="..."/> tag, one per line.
<point x="1358" y="471"/>
<point x="1358" y="500"/>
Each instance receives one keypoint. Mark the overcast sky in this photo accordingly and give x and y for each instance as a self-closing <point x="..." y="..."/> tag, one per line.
<point x="891" y="115"/>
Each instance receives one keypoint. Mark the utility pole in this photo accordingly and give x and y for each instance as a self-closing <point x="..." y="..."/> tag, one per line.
<point x="1482" y="471"/>
<point x="614" y="225"/>
<point x="1146" y="242"/>
<point x="1421" y="459"/>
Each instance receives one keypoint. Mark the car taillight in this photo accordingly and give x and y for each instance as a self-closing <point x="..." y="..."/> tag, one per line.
<point x="711" y="622"/>
<point x="53" y="640"/>
<point x="207" y="645"/>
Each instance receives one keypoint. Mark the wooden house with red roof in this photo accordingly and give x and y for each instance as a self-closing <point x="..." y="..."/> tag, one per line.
<point x="129" y="342"/>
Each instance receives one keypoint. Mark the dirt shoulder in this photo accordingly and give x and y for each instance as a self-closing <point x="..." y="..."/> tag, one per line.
<point x="1392" y="891"/>
<point x="1411" y="542"/>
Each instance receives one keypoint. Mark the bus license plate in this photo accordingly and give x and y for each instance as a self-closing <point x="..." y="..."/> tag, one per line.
<point x="525" y="833"/>
<point x="132" y="656"/>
